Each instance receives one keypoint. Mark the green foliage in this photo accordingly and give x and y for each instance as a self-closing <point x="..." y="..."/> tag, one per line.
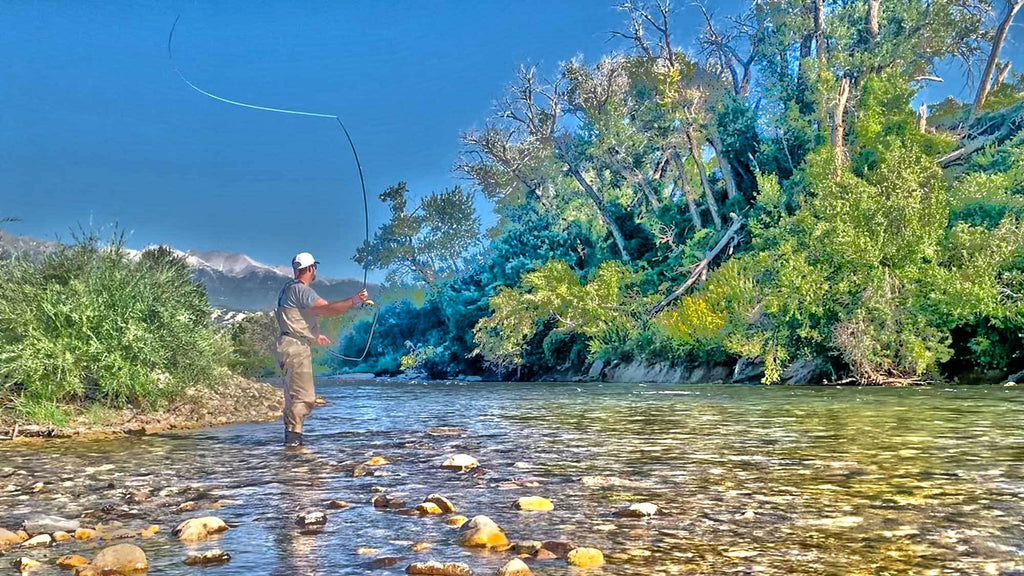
<point x="91" y="323"/>
<point x="252" y="340"/>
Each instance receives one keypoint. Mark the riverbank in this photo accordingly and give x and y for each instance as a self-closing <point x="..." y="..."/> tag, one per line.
<point x="234" y="400"/>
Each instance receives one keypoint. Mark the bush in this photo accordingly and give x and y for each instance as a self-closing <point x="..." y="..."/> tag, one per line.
<point x="252" y="340"/>
<point x="92" y="323"/>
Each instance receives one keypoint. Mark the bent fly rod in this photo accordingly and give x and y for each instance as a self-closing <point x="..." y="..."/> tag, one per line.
<point x="355" y="155"/>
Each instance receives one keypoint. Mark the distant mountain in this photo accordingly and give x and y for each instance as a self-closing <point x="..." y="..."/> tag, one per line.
<point x="233" y="281"/>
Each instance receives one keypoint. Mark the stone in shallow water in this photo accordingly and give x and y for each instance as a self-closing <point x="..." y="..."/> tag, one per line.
<point x="482" y="532"/>
<point x="443" y="503"/>
<point x="434" y="568"/>
<point x="514" y="567"/>
<point x="460" y="463"/>
<point x="121" y="559"/>
<point x="199" y="528"/>
<point x="641" y="510"/>
<point x="72" y="561"/>
<point x="43" y="524"/>
<point x="421" y="546"/>
<point x="24" y="565"/>
<point x="367" y="551"/>
<point x="311" y="519"/>
<point x="533" y="504"/>
<point x="559" y="548"/>
<point x="8" y="538"/>
<point x="378" y="461"/>
<point x="456" y="521"/>
<point x="384" y="562"/>
<point x="428" y="508"/>
<point x="85" y="534"/>
<point x="585" y="557"/>
<point x="213" y="557"/>
<point x="387" y="501"/>
<point x="37" y="541"/>
<point x="338" y="505"/>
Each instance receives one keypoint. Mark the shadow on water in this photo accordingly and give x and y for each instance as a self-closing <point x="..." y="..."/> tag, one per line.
<point x="777" y="480"/>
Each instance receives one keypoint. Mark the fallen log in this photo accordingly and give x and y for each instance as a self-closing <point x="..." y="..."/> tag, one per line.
<point x="701" y="269"/>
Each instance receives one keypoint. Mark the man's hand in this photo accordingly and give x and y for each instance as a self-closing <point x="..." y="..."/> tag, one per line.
<point x="361" y="297"/>
<point x="322" y="340"/>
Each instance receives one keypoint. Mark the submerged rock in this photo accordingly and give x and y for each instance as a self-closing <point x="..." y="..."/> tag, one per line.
<point x="514" y="567"/>
<point x="213" y="557"/>
<point x="72" y="561"/>
<point x="43" y="524"/>
<point x="456" y="521"/>
<point x="641" y="510"/>
<point x="482" y="532"/>
<point x="428" y="508"/>
<point x="307" y="519"/>
<point x="387" y="501"/>
<point x="443" y="503"/>
<point x="460" y="463"/>
<point x="434" y="568"/>
<point x="378" y="461"/>
<point x="37" y="541"/>
<point x="8" y="538"/>
<point x="533" y="504"/>
<point x="199" y="528"/>
<point x="585" y="557"/>
<point x="528" y="546"/>
<point x="384" y="562"/>
<point x="559" y="548"/>
<point x="421" y="546"/>
<point x="338" y="505"/>
<point x="121" y="559"/>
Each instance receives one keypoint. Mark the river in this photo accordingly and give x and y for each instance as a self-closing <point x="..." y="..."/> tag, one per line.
<point x="781" y="480"/>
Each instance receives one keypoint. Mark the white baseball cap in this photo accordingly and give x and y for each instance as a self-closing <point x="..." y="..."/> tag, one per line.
<point x="303" y="260"/>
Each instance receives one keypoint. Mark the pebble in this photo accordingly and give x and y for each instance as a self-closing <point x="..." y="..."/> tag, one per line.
<point x="585" y="557"/>
<point x="514" y="567"/>
<point x="533" y="504"/>
<point x="199" y="528"/>
<point x="460" y="463"/>
<point x="434" y="568"/>
<point x="213" y="557"/>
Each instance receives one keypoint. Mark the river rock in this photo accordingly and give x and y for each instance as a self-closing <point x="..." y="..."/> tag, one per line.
<point x="384" y="562"/>
<point x="37" y="541"/>
<point x="434" y="568"/>
<point x="43" y="524"/>
<point x="72" y="561"/>
<point x="456" y="521"/>
<point x="150" y="532"/>
<point x="8" y="538"/>
<point x="387" y="501"/>
<point x="85" y="534"/>
<point x="121" y="559"/>
<point x="482" y="532"/>
<point x="24" y="565"/>
<point x="443" y="503"/>
<point x="641" y="510"/>
<point x="559" y="548"/>
<point x="311" y="519"/>
<point x="378" y="461"/>
<point x="585" y="557"/>
<point x="199" y="528"/>
<point x="533" y="504"/>
<point x="213" y="557"/>
<point x="338" y="505"/>
<point x="514" y="567"/>
<point x="86" y="570"/>
<point x="460" y="463"/>
<point x="367" y="551"/>
<point x="595" y="369"/>
<point x="544" y="554"/>
<point x="528" y="546"/>
<point x="60" y="536"/>
<point x="428" y="508"/>
<point x="421" y="546"/>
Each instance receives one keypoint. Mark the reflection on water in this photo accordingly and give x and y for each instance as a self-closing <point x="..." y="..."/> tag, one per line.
<point x="773" y="480"/>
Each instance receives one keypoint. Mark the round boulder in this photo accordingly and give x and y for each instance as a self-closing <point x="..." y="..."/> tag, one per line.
<point x="514" y="567"/>
<point x="199" y="528"/>
<point x="585" y="557"/>
<point x="121" y="559"/>
<point x="533" y="504"/>
<point x="482" y="532"/>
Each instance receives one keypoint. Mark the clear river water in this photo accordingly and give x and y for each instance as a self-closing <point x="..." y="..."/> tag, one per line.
<point x="781" y="480"/>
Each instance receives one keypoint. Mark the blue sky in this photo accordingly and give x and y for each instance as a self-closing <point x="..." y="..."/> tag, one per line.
<point x="97" y="129"/>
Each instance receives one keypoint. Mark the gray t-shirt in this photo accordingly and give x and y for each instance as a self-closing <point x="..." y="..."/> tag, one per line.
<point x="297" y="295"/>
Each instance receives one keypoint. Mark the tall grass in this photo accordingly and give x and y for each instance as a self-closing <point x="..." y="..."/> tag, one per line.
<point x="90" y="323"/>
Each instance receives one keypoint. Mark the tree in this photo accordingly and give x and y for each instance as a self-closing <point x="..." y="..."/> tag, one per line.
<point x="1012" y="7"/>
<point x="427" y="243"/>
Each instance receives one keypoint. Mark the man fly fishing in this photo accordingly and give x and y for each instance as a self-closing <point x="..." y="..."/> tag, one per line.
<point x="298" y="307"/>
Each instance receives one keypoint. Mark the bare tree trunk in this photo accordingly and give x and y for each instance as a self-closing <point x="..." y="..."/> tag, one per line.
<point x="687" y="191"/>
<point x="997" y="44"/>
<point x="1002" y="69"/>
<point x="839" y="121"/>
<point x="922" y="118"/>
<point x="731" y="191"/>
<point x="874" y="10"/>
<point x="620" y="241"/>
<point x="695" y="153"/>
<point x="819" y="30"/>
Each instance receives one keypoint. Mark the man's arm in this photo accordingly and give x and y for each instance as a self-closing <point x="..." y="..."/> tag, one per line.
<point x="338" y="307"/>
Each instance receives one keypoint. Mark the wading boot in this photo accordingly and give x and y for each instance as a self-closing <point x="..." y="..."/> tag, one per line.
<point x="292" y="438"/>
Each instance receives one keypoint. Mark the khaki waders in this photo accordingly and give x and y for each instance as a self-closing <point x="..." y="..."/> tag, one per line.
<point x="296" y="360"/>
